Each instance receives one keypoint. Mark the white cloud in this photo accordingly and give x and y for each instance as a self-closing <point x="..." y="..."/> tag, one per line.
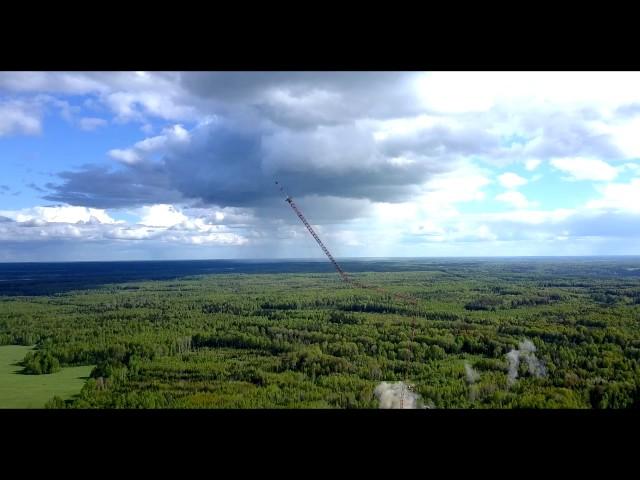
<point x="401" y="161"/>
<point x="129" y="95"/>
<point x="511" y="180"/>
<point x="532" y="164"/>
<point x="136" y="106"/>
<point x="429" y="228"/>
<point x="19" y="118"/>
<point x="634" y="167"/>
<point x="209" y="239"/>
<point x="395" y="212"/>
<point x="161" y="215"/>
<point x="59" y="82"/>
<point x="619" y="196"/>
<point x="337" y="148"/>
<point x="125" y="156"/>
<point x="174" y="135"/>
<point x="458" y="92"/>
<point x="407" y="126"/>
<point x="325" y="134"/>
<point x="131" y="233"/>
<point x="59" y="214"/>
<point x="623" y="131"/>
<point x="433" y="215"/>
<point x="462" y="184"/>
<point x="164" y="93"/>
<point x="91" y="123"/>
<point x="585" y="168"/>
<point x="530" y="217"/>
<point x="159" y="223"/>
<point x="514" y="198"/>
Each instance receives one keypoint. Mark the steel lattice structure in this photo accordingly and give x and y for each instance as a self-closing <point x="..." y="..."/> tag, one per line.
<point x="344" y="274"/>
<point x="326" y="251"/>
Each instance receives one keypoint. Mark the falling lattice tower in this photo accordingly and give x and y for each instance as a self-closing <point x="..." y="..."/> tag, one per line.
<point x="344" y="275"/>
<point x="339" y="269"/>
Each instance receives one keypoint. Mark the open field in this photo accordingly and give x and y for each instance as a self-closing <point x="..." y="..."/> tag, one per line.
<point x="486" y="334"/>
<point x="33" y="391"/>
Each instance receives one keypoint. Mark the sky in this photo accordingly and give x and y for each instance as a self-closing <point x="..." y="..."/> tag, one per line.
<point x="182" y="165"/>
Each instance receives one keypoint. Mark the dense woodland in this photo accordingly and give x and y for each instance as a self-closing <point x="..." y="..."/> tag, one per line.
<point x="310" y="341"/>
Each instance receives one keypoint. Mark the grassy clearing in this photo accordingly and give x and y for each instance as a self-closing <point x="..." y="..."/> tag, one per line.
<point x="33" y="391"/>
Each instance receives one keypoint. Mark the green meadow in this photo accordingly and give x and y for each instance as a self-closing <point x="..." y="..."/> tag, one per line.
<point x="33" y="391"/>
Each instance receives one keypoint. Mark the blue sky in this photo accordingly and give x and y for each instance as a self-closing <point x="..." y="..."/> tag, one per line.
<point x="145" y="165"/>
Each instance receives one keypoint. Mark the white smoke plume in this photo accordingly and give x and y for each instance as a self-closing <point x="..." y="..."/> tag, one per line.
<point x="513" y="357"/>
<point x="472" y="378"/>
<point x="535" y="366"/>
<point x="472" y="375"/>
<point x="390" y="395"/>
<point x="527" y="346"/>
<point x="526" y="351"/>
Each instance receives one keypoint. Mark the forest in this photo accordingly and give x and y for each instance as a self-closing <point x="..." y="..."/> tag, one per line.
<point x="484" y="334"/>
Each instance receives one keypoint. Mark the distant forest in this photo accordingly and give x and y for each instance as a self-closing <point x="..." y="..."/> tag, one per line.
<point x="485" y="334"/>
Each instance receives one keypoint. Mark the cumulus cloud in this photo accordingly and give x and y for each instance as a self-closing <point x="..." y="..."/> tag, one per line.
<point x="56" y="82"/>
<point x="141" y="150"/>
<point x="307" y="99"/>
<point x="17" y="117"/>
<point x="397" y="93"/>
<point x="91" y="123"/>
<point x="592" y="228"/>
<point x="480" y="91"/>
<point x="512" y="180"/>
<point x="585" y="168"/>
<point x="60" y="214"/>
<point x="125" y="155"/>
<point x="618" y="196"/>
<point x="326" y="133"/>
<point x="128" y="95"/>
<point x="532" y="164"/>
<point x="514" y="198"/>
<point x="162" y="215"/>
<point x="435" y="136"/>
<point x="291" y="99"/>
<point x="96" y="186"/>
<point x="622" y="131"/>
<point x="629" y="110"/>
<point x="159" y="223"/>
<point x="409" y="154"/>
<point x="549" y="131"/>
<point x="218" y="164"/>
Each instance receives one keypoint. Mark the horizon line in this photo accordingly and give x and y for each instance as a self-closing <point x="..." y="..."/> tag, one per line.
<point x="313" y="259"/>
